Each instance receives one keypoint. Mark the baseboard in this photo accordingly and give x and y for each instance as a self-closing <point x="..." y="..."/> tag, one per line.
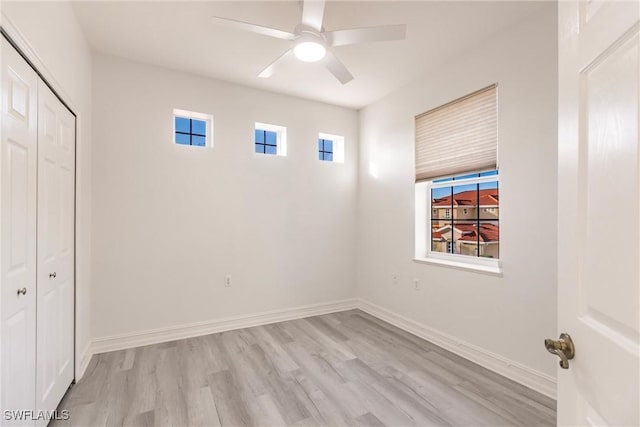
<point x="154" y="336"/>
<point x="515" y="371"/>
<point x="85" y="358"/>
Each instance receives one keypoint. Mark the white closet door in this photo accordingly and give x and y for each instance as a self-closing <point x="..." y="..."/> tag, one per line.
<point x="56" y="176"/>
<point x="18" y="160"/>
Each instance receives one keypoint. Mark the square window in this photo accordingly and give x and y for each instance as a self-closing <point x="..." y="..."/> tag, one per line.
<point x="325" y="149"/>
<point x="192" y="128"/>
<point x="270" y="139"/>
<point x="330" y="148"/>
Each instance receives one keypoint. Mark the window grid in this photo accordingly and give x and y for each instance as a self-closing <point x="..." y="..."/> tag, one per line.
<point x="191" y="133"/>
<point x="261" y="147"/>
<point x="451" y="243"/>
<point x="325" y="149"/>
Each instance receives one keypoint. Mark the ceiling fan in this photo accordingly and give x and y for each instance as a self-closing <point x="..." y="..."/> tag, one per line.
<point x="311" y="43"/>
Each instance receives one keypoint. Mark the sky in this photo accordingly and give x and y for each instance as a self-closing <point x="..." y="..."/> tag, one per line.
<point x="446" y="191"/>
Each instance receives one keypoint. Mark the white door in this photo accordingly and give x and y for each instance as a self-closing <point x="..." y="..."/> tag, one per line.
<point x="56" y="176"/>
<point x="599" y="211"/>
<point x="18" y="157"/>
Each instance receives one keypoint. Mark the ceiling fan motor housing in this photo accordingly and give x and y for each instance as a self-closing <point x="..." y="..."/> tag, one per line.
<point x="310" y="46"/>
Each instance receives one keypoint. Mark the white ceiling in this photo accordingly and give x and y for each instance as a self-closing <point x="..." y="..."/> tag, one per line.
<point x="180" y="35"/>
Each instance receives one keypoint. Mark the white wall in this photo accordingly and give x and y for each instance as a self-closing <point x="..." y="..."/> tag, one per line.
<point x="510" y="315"/>
<point x="50" y="35"/>
<point x="170" y="221"/>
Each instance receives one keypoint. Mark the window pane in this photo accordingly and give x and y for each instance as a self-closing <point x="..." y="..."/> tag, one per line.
<point x="272" y="138"/>
<point x="259" y="148"/>
<point x="328" y="157"/>
<point x="182" y="125"/>
<point x="320" y="145"/>
<point x="489" y="200"/>
<point x="199" y="127"/>
<point x="441" y="237"/>
<point x="200" y="141"/>
<point x="490" y="239"/>
<point x="328" y="145"/>
<point x="259" y="138"/>
<point x="270" y="149"/>
<point x="441" y="205"/>
<point x="182" y="139"/>
<point x="465" y="202"/>
<point x="320" y="155"/>
<point x="466" y="237"/>
<point x="489" y="173"/>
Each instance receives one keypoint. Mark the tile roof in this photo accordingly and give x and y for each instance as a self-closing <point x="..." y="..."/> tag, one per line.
<point x="488" y="197"/>
<point x="489" y="232"/>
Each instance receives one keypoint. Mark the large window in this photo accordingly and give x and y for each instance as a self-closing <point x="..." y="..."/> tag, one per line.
<point x="190" y="128"/>
<point x="457" y="183"/>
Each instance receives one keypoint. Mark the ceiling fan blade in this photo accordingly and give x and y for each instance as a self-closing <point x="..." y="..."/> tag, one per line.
<point x="366" y="35"/>
<point x="258" y="29"/>
<point x="337" y="68"/>
<point x="268" y="72"/>
<point x="312" y="14"/>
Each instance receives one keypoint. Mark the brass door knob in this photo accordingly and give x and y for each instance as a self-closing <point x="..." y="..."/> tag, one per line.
<point x="563" y="348"/>
<point x="52" y="275"/>
<point x="22" y="291"/>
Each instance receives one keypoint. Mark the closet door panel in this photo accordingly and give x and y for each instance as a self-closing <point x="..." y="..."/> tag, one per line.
<point x="56" y="178"/>
<point x="18" y="162"/>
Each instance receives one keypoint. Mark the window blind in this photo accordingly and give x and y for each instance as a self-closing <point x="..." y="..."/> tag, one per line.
<point x="458" y="137"/>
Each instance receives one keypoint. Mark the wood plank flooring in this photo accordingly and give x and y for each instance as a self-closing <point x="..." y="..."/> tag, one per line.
<point x="341" y="369"/>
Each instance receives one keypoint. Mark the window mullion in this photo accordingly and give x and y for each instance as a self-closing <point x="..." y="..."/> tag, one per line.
<point x="453" y="233"/>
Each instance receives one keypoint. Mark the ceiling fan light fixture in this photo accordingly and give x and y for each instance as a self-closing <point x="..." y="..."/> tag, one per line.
<point x="309" y="51"/>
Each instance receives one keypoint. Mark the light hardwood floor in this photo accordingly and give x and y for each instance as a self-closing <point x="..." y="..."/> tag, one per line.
<point x="345" y="368"/>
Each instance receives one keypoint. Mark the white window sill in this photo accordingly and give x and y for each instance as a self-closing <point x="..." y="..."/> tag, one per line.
<point x="458" y="265"/>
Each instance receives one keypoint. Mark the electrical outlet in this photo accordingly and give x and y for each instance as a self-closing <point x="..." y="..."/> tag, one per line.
<point x="227" y="281"/>
<point x="394" y="279"/>
<point x="416" y="284"/>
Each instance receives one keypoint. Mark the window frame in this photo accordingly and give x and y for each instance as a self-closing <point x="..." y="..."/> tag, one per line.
<point x="192" y="115"/>
<point x="281" y="138"/>
<point x="423" y="229"/>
